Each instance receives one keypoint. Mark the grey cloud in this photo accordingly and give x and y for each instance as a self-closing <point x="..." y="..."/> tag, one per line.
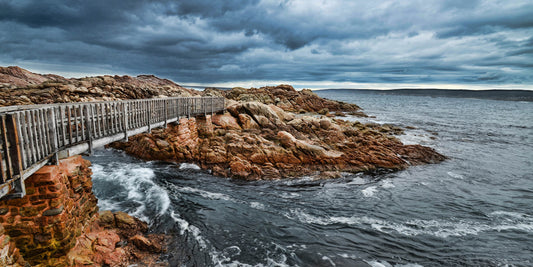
<point x="205" y="41"/>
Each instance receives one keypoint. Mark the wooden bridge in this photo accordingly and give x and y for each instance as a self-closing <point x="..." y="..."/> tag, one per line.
<point x="32" y="136"/>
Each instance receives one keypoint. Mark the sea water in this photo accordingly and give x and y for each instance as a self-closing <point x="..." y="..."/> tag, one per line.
<point x="474" y="209"/>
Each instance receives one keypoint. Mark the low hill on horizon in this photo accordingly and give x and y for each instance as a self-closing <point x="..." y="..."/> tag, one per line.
<point x="494" y="94"/>
<point x="22" y="87"/>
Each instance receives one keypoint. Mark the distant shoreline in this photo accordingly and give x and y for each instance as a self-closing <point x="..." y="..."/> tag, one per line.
<point x="506" y="95"/>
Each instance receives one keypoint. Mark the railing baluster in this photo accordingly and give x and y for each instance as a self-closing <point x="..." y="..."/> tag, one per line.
<point x="148" y="114"/>
<point x="69" y="124"/>
<point x="83" y="123"/>
<point x="88" y="120"/>
<point x="63" y="130"/>
<point x="99" y="119"/>
<point x="46" y="131"/>
<point x="40" y="135"/>
<point x="25" y="140"/>
<point x="53" y="133"/>
<point x="76" y="117"/>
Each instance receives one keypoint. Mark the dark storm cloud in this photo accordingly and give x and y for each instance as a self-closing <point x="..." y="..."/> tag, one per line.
<point x="201" y="41"/>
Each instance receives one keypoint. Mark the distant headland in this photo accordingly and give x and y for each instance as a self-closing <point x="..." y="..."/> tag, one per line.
<point x="494" y="94"/>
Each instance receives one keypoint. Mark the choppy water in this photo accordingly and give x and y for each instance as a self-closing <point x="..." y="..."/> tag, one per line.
<point x="475" y="209"/>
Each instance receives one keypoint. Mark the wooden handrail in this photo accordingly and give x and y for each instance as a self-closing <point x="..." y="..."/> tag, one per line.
<point x="33" y="135"/>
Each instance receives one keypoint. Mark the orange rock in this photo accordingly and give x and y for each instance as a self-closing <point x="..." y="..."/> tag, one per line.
<point x="226" y="121"/>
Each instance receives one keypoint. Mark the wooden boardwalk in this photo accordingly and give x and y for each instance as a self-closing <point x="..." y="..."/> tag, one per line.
<point x="32" y="136"/>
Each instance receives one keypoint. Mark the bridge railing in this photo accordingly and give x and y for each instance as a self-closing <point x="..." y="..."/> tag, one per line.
<point x="32" y="137"/>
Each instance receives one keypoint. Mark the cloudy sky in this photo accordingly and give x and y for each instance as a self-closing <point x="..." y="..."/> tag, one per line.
<point x="331" y="43"/>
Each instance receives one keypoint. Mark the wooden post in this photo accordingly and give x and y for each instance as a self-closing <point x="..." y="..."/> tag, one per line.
<point x="89" y="120"/>
<point x="63" y="130"/>
<point x="40" y="134"/>
<point x="166" y="115"/>
<point x="125" y="120"/>
<point x="148" y="114"/>
<point x="2" y="150"/>
<point x="15" y="154"/>
<point x="69" y="124"/>
<point x="26" y="154"/>
<point x="7" y="145"/>
<point x="46" y="130"/>
<point x="52" y="126"/>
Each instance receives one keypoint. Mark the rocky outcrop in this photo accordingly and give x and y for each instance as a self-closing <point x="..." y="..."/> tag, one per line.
<point x="21" y="87"/>
<point x="117" y="239"/>
<point x="288" y="99"/>
<point x="259" y="141"/>
<point x="15" y="76"/>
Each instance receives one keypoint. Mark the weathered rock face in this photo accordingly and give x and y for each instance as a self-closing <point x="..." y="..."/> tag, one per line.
<point x="59" y="202"/>
<point x="116" y="239"/>
<point x="21" y="87"/>
<point x="258" y="141"/>
<point x="287" y="98"/>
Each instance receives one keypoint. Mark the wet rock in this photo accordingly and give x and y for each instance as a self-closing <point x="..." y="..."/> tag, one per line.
<point x="106" y="219"/>
<point x="145" y="244"/>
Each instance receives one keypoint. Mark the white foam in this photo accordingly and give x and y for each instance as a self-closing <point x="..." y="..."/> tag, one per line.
<point x="138" y="182"/>
<point x="328" y="259"/>
<point x="387" y="184"/>
<point x="358" y="181"/>
<point x="232" y="251"/>
<point x="187" y="227"/>
<point x="375" y="263"/>
<point x="257" y="205"/>
<point x="369" y="191"/>
<point x="106" y="204"/>
<point x="437" y="228"/>
<point x="455" y="175"/>
<point x="510" y="214"/>
<point x="289" y="195"/>
<point x="415" y="137"/>
<point x="205" y="194"/>
<point x="382" y="263"/>
<point x="191" y="166"/>
<point x="279" y="261"/>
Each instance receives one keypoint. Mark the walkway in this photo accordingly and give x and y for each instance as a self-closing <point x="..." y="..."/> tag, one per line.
<point x="32" y="136"/>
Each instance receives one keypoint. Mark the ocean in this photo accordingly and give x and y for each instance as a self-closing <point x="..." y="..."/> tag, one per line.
<point x="474" y="209"/>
